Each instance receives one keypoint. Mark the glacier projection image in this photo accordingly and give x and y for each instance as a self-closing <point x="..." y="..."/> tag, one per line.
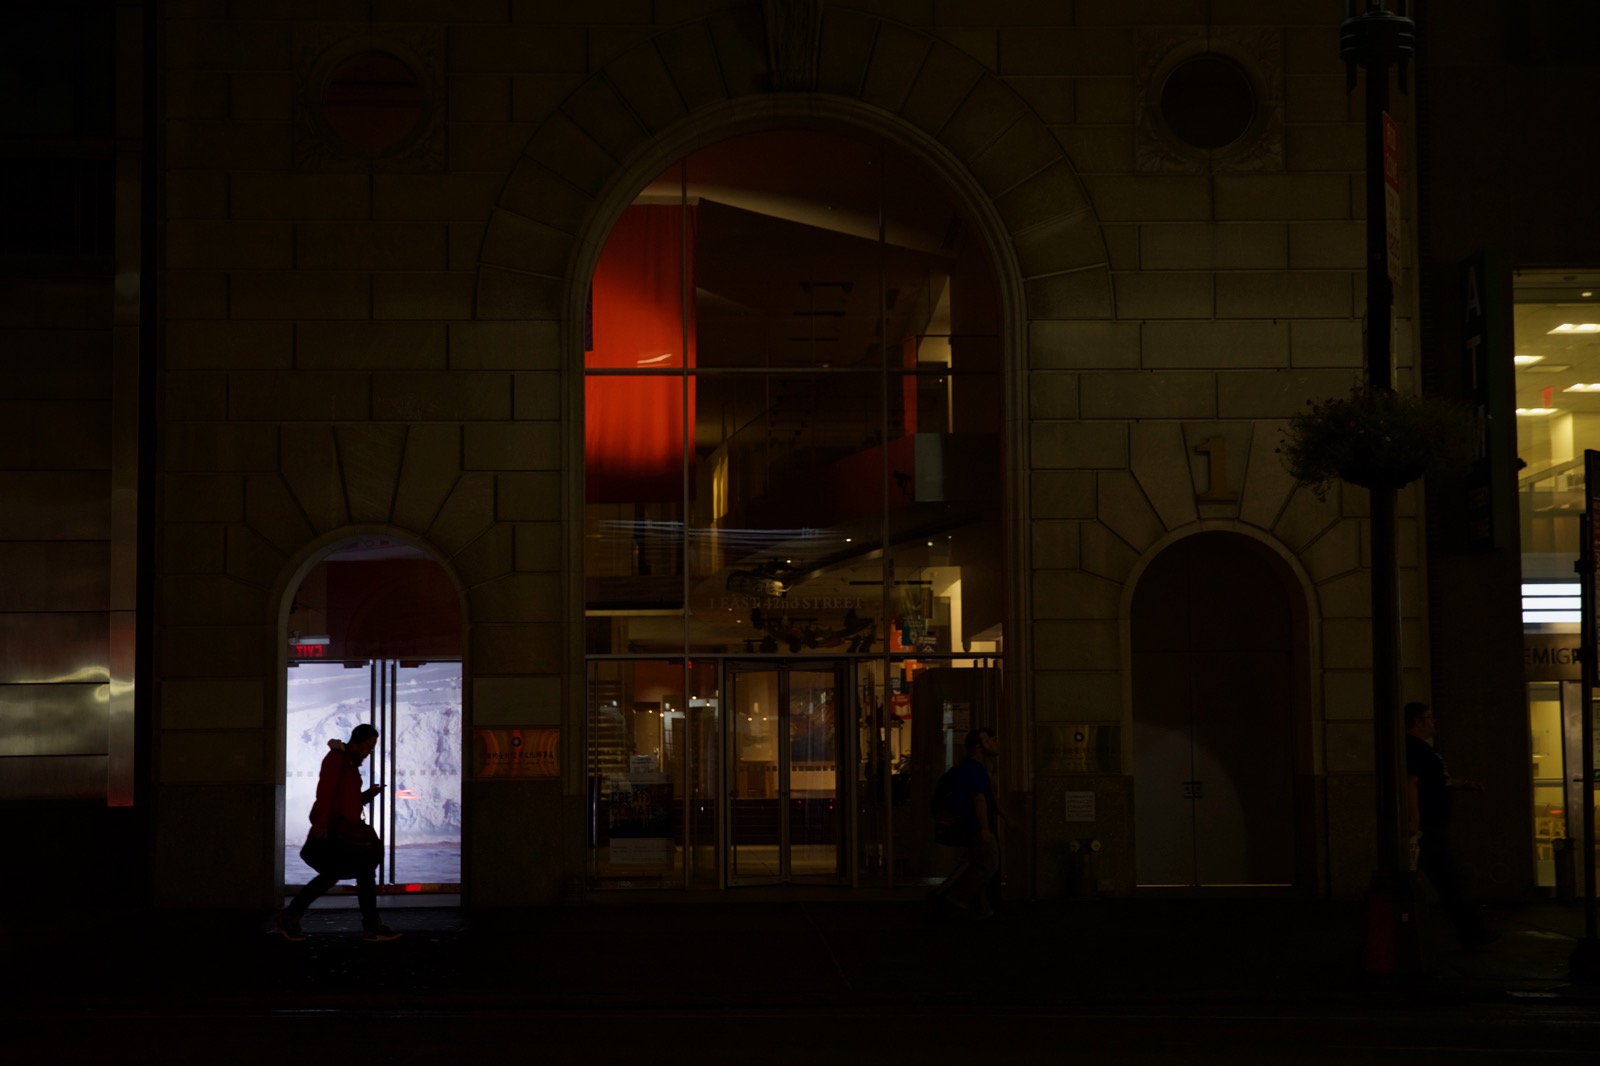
<point x="416" y="708"/>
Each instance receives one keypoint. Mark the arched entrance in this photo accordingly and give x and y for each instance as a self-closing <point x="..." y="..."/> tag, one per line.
<point x="1217" y="649"/>
<point x="794" y="531"/>
<point x="374" y="635"/>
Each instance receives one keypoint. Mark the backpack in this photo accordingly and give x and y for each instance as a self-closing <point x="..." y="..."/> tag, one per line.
<point x="948" y="827"/>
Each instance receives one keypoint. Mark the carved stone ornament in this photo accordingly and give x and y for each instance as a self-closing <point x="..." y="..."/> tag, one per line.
<point x="320" y="50"/>
<point x="793" y="30"/>
<point x="1258" y="52"/>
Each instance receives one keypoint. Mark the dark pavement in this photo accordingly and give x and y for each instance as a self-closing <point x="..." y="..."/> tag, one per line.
<point x="77" y="977"/>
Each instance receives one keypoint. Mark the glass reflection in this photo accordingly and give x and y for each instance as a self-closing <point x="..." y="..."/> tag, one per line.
<point x="826" y="485"/>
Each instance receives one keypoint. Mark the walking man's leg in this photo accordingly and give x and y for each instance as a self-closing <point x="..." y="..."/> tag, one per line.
<point x="372" y="927"/>
<point x="287" y="921"/>
<point x="971" y="889"/>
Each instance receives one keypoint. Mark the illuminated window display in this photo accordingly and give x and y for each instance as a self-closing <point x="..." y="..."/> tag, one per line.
<point x="793" y="469"/>
<point x="1557" y="341"/>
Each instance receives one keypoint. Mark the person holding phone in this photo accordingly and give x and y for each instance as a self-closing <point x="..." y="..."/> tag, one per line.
<point x="341" y="845"/>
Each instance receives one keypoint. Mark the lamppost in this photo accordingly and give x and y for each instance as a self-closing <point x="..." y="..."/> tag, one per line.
<point x="1377" y="41"/>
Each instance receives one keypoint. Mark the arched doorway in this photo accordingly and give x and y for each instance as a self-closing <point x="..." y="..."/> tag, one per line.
<point x="1217" y="650"/>
<point x="374" y="635"/>
<point x="794" y="524"/>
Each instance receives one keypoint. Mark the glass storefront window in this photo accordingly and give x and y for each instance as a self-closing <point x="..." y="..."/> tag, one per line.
<point x="793" y="483"/>
<point x="652" y="756"/>
<point x="1549" y="799"/>
<point x="1557" y="375"/>
<point x="1557" y="343"/>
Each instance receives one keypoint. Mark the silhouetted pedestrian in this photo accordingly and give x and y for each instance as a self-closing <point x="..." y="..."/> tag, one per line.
<point x="1429" y="789"/>
<point x="341" y="845"/>
<point x="972" y="886"/>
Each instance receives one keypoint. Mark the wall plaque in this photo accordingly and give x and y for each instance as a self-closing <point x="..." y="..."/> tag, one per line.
<point x="1084" y="748"/>
<point x="515" y="754"/>
<point x="1080" y="806"/>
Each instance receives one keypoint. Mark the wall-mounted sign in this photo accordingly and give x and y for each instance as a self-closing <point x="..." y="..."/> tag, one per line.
<point x="1486" y="366"/>
<point x="515" y="753"/>
<point x="308" y="647"/>
<point x="1085" y="748"/>
<point x="640" y="820"/>
<point x="1080" y="806"/>
<point x="1551" y="656"/>
<point x="1391" y="194"/>
<point x="1220" y="490"/>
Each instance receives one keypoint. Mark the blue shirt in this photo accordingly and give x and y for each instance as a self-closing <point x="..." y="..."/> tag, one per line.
<point x="972" y="779"/>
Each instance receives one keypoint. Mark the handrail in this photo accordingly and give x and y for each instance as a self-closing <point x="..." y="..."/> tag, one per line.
<point x="1548" y="472"/>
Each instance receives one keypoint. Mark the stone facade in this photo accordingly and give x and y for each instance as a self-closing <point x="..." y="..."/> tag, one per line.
<point x="393" y="345"/>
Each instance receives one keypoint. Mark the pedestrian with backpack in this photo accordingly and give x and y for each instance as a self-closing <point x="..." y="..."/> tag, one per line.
<point x="967" y="815"/>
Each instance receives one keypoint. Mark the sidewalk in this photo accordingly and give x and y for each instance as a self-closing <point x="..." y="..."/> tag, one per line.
<point x="1109" y="954"/>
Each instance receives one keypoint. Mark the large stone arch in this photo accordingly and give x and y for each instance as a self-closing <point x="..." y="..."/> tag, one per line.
<point x="707" y="80"/>
<point x="870" y="71"/>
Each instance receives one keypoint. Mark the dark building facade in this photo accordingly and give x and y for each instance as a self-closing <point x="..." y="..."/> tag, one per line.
<point x="675" y="425"/>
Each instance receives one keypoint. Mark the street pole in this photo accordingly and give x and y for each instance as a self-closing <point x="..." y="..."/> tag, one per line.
<point x="1377" y="41"/>
<point x="1584" y="962"/>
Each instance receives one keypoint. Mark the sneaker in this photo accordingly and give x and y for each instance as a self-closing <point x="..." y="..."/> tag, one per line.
<point x="379" y="932"/>
<point x="287" y="926"/>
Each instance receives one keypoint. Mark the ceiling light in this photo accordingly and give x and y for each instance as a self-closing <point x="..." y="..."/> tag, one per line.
<point x="1586" y="294"/>
<point x="1550" y="368"/>
<point x="1526" y="360"/>
<point x="1577" y="327"/>
<point x="1536" y="411"/>
<point x="1580" y="387"/>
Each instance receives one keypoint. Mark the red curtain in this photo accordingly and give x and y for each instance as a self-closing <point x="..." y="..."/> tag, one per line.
<point x="634" y="424"/>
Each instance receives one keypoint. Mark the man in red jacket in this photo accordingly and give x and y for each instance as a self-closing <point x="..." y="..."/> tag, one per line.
<point x="340" y="844"/>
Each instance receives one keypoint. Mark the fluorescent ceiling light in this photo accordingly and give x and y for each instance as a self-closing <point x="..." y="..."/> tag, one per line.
<point x="1536" y="410"/>
<point x="1577" y="327"/>
<point x="1551" y="588"/>
<point x="1580" y="387"/>
<point x="1550" y="368"/>
<point x="1526" y="360"/>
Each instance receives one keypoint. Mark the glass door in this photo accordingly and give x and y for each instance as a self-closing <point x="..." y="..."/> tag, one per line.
<point x="416" y="707"/>
<point x="786" y="801"/>
<point x="419" y="755"/>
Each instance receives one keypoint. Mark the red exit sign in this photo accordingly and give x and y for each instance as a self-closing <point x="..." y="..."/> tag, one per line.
<point x="309" y="648"/>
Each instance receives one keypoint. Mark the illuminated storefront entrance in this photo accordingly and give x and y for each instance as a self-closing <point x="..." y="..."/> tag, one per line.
<point x="374" y="636"/>
<point x="416" y="707"/>
<point x="1556" y="317"/>
<point x="786" y="800"/>
<point x="737" y="772"/>
<point x="794" y="520"/>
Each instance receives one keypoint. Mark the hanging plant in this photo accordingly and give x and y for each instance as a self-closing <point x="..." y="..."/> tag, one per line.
<point x="1375" y="438"/>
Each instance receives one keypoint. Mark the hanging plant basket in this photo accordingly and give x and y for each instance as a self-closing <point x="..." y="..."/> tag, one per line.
<point x="1370" y="474"/>
<point x="1376" y="438"/>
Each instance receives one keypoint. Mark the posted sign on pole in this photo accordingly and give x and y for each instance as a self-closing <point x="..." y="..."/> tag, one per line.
<point x="1391" y="193"/>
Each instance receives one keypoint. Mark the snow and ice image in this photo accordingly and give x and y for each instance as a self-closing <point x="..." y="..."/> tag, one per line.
<point x="418" y="759"/>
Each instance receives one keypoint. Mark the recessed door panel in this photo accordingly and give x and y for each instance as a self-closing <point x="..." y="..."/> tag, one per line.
<point x="814" y="810"/>
<point x="1163" y="761"/>
<point x="1244" y="824"/>
<point x="785" y="815"/>
<point x="754" y="809"/>
<point x="1213" y="641"/>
